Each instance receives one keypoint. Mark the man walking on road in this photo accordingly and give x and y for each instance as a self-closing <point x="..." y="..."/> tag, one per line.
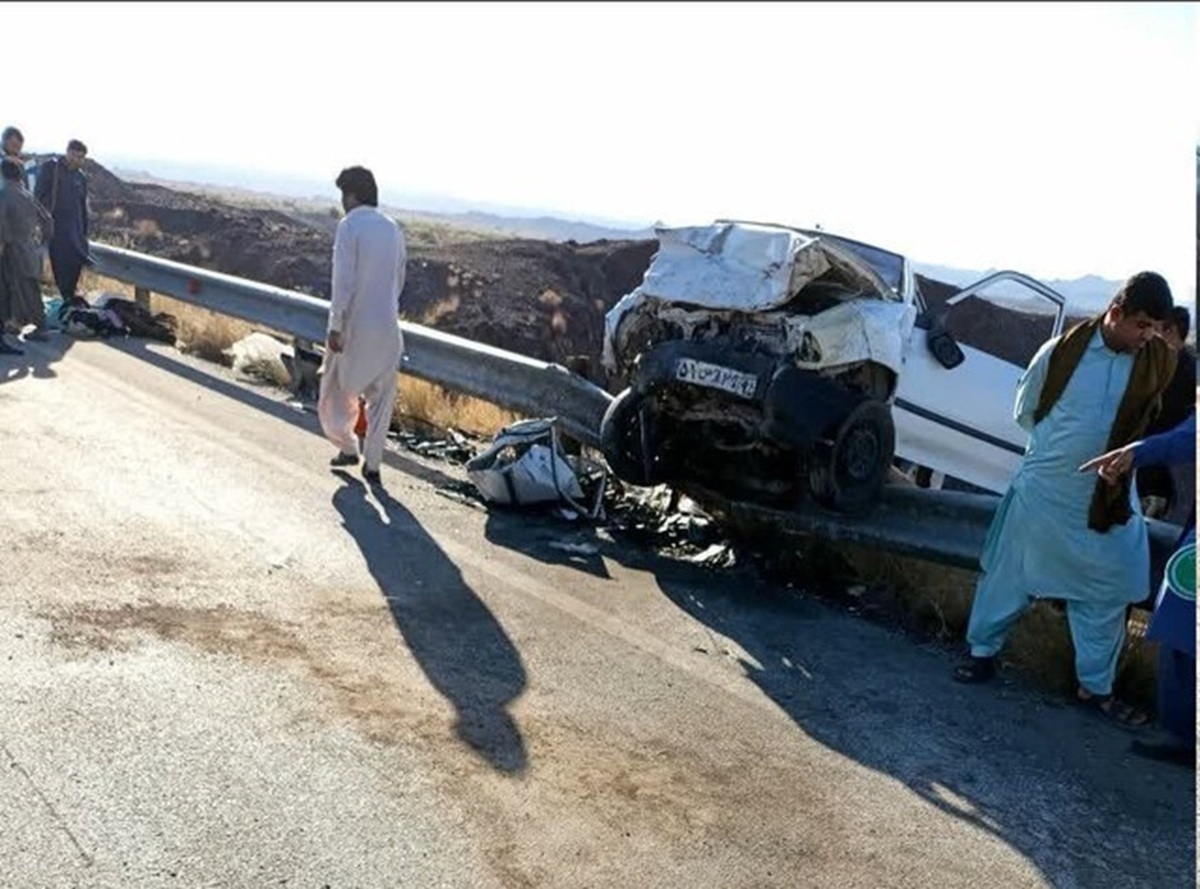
<point x="363" y="344"/>
<point x="62" y="189"/>
<point x="1059" y="533"/>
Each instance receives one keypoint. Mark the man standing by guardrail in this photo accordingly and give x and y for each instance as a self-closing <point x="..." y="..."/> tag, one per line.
<point x="61" y="188"/>
<point x="1058" y="533"/>
<point x="363" y="343"/>
<point x="20" y="258"/>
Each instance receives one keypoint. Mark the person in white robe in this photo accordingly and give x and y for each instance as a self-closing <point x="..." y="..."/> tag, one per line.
<point x="363" y="343"/>
<point x="1054" y="534"/>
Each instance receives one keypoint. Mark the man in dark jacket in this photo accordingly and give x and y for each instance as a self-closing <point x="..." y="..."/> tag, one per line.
<point x="62" y="189"/>
<point x="1173" y="625"/>
<point x="1168" y="492"/>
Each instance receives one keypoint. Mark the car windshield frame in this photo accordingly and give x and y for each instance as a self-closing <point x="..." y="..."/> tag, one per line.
<point x="874" y="257"/>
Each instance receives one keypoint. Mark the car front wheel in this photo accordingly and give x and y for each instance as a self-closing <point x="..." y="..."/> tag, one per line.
<point x="848" y="475"/>
<point x="628" y="441"/>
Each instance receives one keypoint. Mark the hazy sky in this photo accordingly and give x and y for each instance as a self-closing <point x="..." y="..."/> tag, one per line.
<point x="1055" y="139"/>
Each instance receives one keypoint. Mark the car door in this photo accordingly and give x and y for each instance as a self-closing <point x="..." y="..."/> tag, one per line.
<point x="956" y="419"/>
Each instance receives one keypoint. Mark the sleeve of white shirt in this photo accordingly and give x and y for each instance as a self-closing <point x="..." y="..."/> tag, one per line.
<point x="345" y="267"/>
<point x="1029" y="388"/>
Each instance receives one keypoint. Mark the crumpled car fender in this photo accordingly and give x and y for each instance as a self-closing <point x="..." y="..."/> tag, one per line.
<point x="854" y="332"/>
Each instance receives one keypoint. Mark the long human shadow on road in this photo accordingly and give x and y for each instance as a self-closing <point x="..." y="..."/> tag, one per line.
<point x="455" y="639"/>
<point x="1004" y="759"/>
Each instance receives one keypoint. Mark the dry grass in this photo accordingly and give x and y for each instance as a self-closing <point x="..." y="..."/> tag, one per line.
<point x="433" y="406"/>
<point x="203" y="333"/>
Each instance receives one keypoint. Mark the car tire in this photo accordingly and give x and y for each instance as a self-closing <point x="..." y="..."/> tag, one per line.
<point x="627" y="439"/>
<point x="849" y="474"/>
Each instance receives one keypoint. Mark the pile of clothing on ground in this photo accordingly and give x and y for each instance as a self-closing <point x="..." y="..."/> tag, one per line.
<point x="110" y="315"/>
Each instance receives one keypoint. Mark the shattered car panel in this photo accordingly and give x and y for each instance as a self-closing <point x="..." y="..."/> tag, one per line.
<point x="793" y="293"/>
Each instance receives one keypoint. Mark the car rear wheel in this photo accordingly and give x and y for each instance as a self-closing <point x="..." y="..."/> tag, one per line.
<point x="848" y="475"/>
<point x="628" y="441"/>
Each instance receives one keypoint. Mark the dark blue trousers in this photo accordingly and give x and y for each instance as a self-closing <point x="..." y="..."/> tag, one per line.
<point x="1177" y="694"/>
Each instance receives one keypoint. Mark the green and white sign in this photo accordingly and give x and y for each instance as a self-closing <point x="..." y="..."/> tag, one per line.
<point x="1181" y="573"/>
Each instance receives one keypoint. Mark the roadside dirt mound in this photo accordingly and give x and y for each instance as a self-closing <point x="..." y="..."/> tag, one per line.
<point x="540" y="298"/>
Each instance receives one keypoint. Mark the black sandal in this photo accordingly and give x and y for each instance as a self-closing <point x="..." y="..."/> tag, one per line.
<point x="976" y="670"/>
<point x="1116" y="712"/>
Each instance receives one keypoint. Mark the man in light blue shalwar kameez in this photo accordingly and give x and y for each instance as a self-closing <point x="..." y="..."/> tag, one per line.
<point x="1043" y="541"/>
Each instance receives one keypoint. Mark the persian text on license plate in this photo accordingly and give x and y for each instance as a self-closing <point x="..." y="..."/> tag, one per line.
<point x="701" y="373"/>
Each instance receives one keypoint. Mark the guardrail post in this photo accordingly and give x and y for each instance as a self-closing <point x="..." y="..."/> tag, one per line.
<point x="141" y="296"/>
<point x="302" y="369"/>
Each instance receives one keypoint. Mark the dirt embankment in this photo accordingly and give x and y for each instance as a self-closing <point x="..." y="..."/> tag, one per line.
<point x="543" y="299"/>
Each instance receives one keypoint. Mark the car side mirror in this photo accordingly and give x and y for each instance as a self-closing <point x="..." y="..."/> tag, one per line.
<point x="944" y="347"/>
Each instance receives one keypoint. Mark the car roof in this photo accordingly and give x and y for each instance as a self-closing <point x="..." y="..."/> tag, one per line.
<point x="812" y="232"/>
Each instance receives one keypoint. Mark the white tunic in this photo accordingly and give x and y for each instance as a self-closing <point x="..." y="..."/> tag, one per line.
<point x="369" y="256"/>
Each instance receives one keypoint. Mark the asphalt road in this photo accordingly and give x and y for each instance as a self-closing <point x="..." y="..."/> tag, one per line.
<point x="226" y="665"/>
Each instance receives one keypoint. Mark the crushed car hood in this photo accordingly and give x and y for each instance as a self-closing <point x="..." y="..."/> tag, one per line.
<point x="741" y="267"/>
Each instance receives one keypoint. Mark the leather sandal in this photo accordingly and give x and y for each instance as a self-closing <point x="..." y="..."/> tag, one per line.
<point x="1116" y="712"/>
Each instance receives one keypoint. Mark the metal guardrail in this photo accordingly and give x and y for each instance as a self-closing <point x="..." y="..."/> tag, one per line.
<point x="947" y="527"/>
<point x="522" y="384"/>
<point x="940" y="526"/>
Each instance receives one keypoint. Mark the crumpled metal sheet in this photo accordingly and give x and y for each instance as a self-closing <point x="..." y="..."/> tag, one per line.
<point x="741" y="267"/>
<point x="852" y="332"/>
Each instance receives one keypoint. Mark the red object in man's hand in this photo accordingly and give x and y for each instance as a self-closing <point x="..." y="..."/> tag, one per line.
<point x="360" y="428"/>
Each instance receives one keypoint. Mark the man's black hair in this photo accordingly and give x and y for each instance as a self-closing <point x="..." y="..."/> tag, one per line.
<point x="360" y="182"/>
<point x="11" y="171"/>
<point x="1146" y="292"/>
<point x="76" y="145"/>
<point x="9" y="132"/>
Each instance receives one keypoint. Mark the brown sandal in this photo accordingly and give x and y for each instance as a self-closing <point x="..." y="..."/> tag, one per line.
<point x="1116" y="712"/>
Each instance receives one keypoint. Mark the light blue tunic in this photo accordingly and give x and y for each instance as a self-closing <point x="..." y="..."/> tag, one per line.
<point x="1039" y="543"/>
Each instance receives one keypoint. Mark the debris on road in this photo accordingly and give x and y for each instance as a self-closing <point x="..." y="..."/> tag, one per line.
<point x="260" y="356"/>
<point x="575" y="549"/>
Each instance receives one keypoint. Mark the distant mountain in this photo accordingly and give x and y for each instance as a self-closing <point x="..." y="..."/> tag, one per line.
<point x="543" y="228"/>
<point x="471" y="214"/>
<point x="1086" y="295"/>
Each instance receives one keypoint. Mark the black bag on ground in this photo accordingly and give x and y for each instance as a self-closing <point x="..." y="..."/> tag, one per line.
<point x="140" y="321"/>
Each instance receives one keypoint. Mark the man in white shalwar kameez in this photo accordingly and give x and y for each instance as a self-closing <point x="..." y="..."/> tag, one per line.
<point x="363" y="344"/>
<point x="1056" y="534"/>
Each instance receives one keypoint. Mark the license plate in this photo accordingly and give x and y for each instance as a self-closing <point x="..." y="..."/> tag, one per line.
<point x="701" y="373"/>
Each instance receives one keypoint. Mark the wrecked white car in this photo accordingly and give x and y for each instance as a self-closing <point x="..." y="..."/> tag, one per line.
<point x="770" y="362"/>
<point x="760" y="360"/>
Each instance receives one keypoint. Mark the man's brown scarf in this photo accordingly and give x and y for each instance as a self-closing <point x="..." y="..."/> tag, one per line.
<point x="1152" y="370"/>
